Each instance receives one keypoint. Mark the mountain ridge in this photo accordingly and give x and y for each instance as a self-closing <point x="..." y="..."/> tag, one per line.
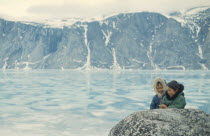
<point x="143" y="40"/>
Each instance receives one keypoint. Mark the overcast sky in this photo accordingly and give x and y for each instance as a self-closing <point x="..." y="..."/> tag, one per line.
<point x="89" y="8"/>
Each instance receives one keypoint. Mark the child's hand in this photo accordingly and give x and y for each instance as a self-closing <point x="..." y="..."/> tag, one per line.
<point x="163" y="106"/>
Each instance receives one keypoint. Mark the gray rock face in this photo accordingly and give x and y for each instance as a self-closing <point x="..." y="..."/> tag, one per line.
<point x="142" y="40"/>
<point x="164" y="122"/>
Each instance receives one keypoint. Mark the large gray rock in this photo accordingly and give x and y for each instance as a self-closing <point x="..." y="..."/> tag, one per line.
<point x="164" y="122"/>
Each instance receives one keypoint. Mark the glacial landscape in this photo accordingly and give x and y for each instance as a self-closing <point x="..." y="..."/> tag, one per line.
<point x="79" y="77"/>
<point x="143" y="40"/>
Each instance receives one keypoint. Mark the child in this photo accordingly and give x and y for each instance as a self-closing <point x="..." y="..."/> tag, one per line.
<point x="174" y="97"/>
<point x="159" y="86"/>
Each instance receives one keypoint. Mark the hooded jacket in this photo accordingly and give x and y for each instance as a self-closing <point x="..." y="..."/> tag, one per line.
<point x="158" y="97"/>
<point x="174" y="102"/>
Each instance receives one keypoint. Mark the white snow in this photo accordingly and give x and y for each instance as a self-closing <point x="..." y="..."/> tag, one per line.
<point x="182" y="67"/>
<point x="115" y="65"/>
<point x="195" y="28"/>
<point x="181" y="20"/>
<point x="204" y="67"/>
<point x="54" y="23"/>
<point x="150" y="48"/>
<point x="79" y="61"/>
<point x="5" y="64"/>
<point x="68" y="22"/>
<point x="87" y="66"/>
<point x="142" y="45"/>
<point x="27" y="66"/>
<point x="137" y="61"/>
<point x="27" y="63"/>
<point x="186" y="16"/>
<point x="152" y="62"/>
<point x="195" y="11"/>
<point x="106" y="22"/>
<point x="114" y="25"/>
<point x="200" y="52"/>
<point x="16" y="65"/>
<point x="149" y="55"/>
<point x="186" y="19"/>
<point x="107" y="36"/>
<point x="60" y="22"/>
<point x="45" y="57"/>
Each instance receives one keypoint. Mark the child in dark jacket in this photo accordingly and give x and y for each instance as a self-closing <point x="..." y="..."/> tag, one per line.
<point x="160" y="87"/>
<point x="174" y="97"/>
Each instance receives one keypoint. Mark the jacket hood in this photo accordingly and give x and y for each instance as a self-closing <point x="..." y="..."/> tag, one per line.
<point x="162" y="81"/>
<point x="175" y="96"/>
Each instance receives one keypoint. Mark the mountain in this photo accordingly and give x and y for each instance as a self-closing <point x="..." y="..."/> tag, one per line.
<point x="144" y="40"/>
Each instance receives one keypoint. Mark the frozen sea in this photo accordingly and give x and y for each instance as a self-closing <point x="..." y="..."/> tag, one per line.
<point x="84" y="103"/>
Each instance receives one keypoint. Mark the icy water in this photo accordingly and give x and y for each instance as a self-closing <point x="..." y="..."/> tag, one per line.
<point x="81" y="103"/>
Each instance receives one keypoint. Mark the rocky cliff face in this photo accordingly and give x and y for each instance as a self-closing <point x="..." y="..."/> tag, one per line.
<point x="126" y="41"/>
<point x="164" y="122"/>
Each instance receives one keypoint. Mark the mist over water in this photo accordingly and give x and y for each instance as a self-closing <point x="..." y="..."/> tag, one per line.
<point x="85" y="103"/>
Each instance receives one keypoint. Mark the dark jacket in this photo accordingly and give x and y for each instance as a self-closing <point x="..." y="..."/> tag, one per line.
<point x="155" y="102"/>
<point x="158" y="97"/>
<point x="174" y="102"/>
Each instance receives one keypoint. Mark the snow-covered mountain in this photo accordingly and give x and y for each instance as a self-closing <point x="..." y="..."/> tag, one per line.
<point x="144" y="40"/>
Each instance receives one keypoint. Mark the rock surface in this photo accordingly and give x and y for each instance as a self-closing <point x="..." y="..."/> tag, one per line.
<point x="164" y="122"/>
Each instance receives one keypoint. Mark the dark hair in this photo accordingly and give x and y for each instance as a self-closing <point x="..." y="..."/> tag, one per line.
<point x="159" y="83"/>
<point x="175" y="86"/>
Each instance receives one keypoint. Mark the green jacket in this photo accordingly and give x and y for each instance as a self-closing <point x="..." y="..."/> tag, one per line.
<point x="178" y="102"/>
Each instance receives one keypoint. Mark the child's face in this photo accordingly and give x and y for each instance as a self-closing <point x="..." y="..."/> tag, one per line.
<point x="159" y="88"/>
<point x="171" y="92"/>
